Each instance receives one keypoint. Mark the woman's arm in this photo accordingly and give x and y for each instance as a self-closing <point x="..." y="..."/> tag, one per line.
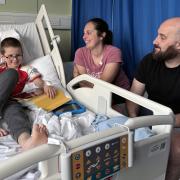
<point x="110" y="72"/>
<point x="78" y="70"/>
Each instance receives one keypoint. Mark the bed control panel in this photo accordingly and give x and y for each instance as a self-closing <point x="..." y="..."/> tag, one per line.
<point x="100" y="161"/>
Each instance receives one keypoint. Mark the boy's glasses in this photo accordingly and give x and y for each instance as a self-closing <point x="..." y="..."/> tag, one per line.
<point x="12" y="57"/>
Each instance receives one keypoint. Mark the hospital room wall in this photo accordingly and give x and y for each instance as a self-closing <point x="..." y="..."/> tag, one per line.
<point x="54" y="7"/>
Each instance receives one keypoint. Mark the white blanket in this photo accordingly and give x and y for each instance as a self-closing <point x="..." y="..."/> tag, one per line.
<point x="60" y="129"/>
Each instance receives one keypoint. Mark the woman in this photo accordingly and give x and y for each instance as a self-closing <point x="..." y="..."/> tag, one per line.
<point x="99" y="58"/>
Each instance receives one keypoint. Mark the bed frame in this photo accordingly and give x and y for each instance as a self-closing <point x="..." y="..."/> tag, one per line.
<point x="149" y="159"/>
<point x="149" y="155"/>
<point x="46" y="35"/>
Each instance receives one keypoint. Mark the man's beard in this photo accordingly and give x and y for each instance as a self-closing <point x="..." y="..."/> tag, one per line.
<point x="169" y="54"/>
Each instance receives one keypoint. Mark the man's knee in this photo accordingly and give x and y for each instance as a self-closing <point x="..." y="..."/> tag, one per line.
<point x="174" y="156"/>
<point x="173" y="167"/>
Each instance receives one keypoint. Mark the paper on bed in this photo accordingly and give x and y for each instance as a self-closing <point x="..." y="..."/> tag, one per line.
<point x="44" y="102"/>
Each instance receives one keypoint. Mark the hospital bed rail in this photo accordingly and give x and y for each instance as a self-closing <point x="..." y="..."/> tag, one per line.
<point x="49" y="154"/>
<point x="52" y="152"/>
<point x="150" y="154"/>
<point x="44" y="28"/>
<point x="99" y="98"/>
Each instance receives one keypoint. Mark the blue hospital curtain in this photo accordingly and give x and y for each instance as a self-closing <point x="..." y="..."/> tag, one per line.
<point x="134" y="24"/>
<point x="82" y="11"/>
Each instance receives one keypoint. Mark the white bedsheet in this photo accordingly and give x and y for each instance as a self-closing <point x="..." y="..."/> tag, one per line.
<point x="61" y="129"/>
<point x="9" y="148"/>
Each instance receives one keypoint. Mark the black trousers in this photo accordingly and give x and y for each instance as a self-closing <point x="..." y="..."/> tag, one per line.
<point x="12" y="112"/>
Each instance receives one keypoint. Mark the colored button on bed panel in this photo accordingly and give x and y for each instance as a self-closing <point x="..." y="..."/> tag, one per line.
<point x="98" y="149"/>
<point x="109" y="178"/>
<point x="88" y="171"/>
<point x="115" y="151"/>
<point x="107" y="171"/>
<point x="107" y="155"/>
<point x="98" y="158"/>
<point x="107" y="163"/>
<point x="116" y="160"/>
<point x="78" y="166"/>
<point x="98" y="167"/>
<point x="89" y="178"/>
<point x="107" y="146"/>
<point x="98" y="175"/>
<point x="88" y="162"/>
<point x="88" y="153"/>
<point x="116" y="168"/>
<point x="78" y="175"/>
<point x="77" y="156"/>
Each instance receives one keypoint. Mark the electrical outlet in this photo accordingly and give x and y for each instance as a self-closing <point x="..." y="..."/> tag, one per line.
<point x="2" y="1"/>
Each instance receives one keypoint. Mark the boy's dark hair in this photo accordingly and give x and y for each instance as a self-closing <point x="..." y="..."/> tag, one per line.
<point x="10" y="42"/>
<point x="101" y="26"/>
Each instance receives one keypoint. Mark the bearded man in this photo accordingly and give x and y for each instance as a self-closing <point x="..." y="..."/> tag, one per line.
<point x="159" y="75"/>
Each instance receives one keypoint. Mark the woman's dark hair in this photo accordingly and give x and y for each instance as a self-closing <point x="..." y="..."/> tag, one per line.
<point x="9" y="42"/>
<point x="101" y="26"/>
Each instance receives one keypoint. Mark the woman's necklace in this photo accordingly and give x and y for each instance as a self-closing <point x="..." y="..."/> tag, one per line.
<point x="98" y="60"/>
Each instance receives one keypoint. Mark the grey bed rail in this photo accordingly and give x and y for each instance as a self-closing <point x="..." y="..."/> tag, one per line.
<point x="151" y="120"/>
<point x="46" y="151"/>
<point x="26" y="159"/>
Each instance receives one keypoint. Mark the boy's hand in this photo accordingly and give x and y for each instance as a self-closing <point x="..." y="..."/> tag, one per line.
<point x="50" y="91"/>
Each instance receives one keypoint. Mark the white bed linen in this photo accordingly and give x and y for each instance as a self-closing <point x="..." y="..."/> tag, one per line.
<point x="45" y="67"/>
<point x="63" y="128"/>
<point x="9" y="148"/>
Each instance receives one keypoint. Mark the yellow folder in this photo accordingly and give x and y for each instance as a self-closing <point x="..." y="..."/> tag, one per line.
<point x="48" y="104"/>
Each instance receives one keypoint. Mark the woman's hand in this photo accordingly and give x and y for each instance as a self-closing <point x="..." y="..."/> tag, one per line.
<point x="75" y="71"/>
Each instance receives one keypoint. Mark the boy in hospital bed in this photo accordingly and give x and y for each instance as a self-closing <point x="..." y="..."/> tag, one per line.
<point x="13" y="78"/>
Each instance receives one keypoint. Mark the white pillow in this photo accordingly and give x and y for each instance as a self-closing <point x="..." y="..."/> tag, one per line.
<point x="14" y="34"/>
<point x="9" y="33"/>
<point x="29" y="38"/>
<point x="45" y="66"/>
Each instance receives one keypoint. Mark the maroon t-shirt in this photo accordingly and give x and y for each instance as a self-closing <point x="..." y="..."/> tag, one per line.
<point x="111" y="54"/>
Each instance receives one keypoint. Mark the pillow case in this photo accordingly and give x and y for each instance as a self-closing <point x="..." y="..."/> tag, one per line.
<point x="46" y="68"/>
<point x="14" y="34"/>
<point x="9" y="33"/>
<point x="29" y="38"/>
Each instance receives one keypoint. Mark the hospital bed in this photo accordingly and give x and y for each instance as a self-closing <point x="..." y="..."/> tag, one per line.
<point x="99" y="155"/>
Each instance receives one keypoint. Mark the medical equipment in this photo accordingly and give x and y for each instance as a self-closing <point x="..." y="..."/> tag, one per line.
<point x="146" y="159"/>
<point x="103" y="155"/>
<point x="73" y="106"/>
